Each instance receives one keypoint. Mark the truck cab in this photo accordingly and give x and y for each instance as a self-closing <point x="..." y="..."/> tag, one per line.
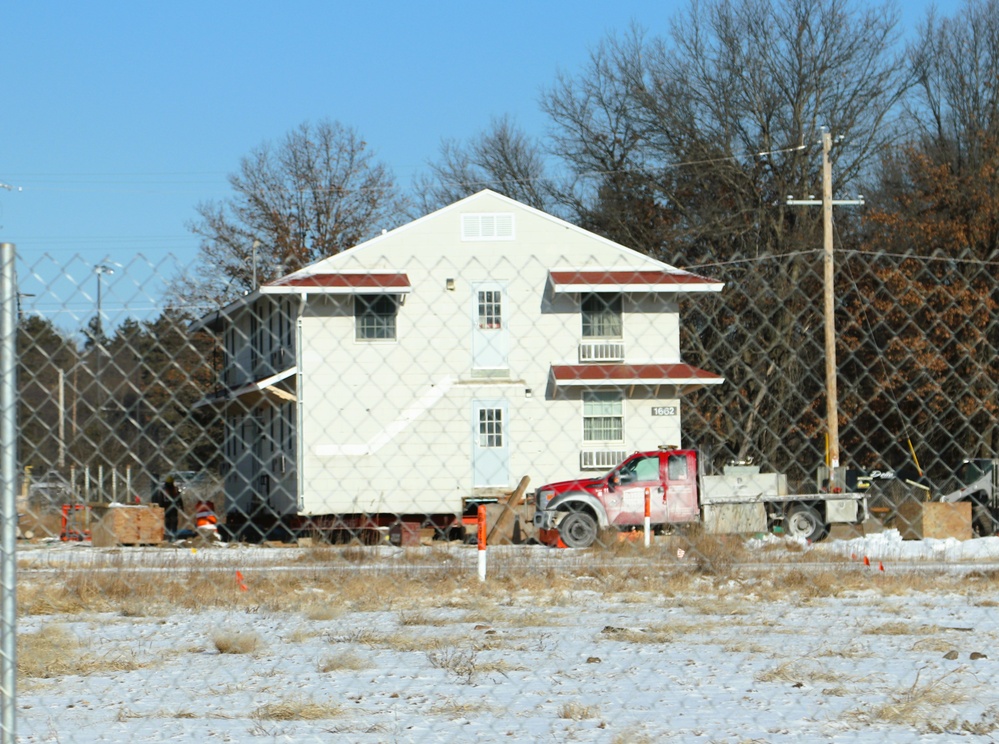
<point x="576" y="510"/>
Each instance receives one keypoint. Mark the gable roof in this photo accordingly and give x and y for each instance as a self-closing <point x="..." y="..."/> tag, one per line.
<point x="469" y="204"/>
<point x="343" y="273"/>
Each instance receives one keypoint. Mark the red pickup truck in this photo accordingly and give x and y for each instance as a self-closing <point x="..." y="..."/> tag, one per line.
<point x="741" y="499"/>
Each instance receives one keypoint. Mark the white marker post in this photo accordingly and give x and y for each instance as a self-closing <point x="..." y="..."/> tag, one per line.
<point x="648" y="517"/>
<point x="482" y="541"/>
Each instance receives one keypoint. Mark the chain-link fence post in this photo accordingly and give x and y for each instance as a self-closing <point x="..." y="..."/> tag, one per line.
<point x="8" y="495"/>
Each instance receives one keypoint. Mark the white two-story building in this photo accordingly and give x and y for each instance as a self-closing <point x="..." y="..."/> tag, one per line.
<point x="444" y="360"/>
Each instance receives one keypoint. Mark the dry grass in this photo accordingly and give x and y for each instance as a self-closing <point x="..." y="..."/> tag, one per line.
<point x="459" y="662"/>
<point x="918" y="706"/>
<point x="653" y="634"/>
<point x="391" y="640"/>
<point x="801" y="672"/>
<point x="937" y="644"/>
<point x="297" y="710"/>
<point x="748" y="647"/>
<point x="852" y="650"/>
<point x="987" y="725"/>
<point x="236" y="642"/>
<point x="318" y="611"/>
<point x="346" y="661"/>
<point x="632" y="737"/>
<point x="422" y="617"/>
<point x="499" y="666"/>
<point x="708" y="579"/>
<point x="898" y="628"/>
<point x="531" y="618"/>
<point x="301" y="634"/>
<point x="54" y="652"/>
<point x="574" y="711"/>
<point x="453" y="709"/>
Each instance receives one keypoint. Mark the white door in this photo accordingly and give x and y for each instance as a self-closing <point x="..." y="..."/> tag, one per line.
<point x="490" y="337"/>
<point x="490" y="443"/>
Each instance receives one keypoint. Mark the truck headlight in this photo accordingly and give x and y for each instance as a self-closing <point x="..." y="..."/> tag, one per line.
<point x="544" y="497"/>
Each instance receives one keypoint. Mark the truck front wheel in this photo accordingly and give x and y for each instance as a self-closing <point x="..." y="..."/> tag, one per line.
<point x="578" y="530"/>
<point x="804" y="522"/>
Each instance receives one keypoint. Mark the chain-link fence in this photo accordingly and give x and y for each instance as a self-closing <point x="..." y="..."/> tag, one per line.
<point x="263" y="519"/>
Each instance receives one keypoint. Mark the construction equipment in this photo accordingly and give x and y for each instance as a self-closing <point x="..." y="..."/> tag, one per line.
<point x="979" y="478"/>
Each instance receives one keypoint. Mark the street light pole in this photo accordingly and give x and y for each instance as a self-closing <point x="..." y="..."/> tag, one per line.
<point x="100" y="270"/>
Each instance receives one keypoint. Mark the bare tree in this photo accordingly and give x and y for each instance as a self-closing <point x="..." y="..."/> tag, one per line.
<point x="720" y="120"/>
<point x="956" y="63"/>
<point x="501" y="158"/>
<point x="686" y="146"/>
<point x="317" y="193"/>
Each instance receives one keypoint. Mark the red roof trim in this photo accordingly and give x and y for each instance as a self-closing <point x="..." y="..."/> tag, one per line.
<point x="626" y="277"/>
<point x="630" y="373"/>
<point x="345" y="281"/>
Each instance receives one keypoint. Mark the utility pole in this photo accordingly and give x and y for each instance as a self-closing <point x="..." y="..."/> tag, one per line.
<point x="827" y="203"/>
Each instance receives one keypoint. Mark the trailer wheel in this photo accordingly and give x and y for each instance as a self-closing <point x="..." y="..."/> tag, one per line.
<point x="578" y="530"/>
<point x="804" y="522"/>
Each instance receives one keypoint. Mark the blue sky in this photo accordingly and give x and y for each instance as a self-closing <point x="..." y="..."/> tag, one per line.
<point x="119" y="117"/>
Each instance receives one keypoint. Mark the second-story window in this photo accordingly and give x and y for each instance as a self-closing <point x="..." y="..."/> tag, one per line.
<point x="490" y="309"/>
<point x="602" y="315"/>
<point x="374" y="317"/>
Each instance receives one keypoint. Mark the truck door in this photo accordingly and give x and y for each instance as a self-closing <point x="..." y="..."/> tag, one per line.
<point x="681" y="487"/>
<point x="635" y="476"/>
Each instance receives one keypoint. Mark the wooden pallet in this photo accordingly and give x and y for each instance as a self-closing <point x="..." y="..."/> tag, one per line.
<point x="118" y="524"/>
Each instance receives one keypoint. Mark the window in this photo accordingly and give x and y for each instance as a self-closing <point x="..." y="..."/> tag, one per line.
<point x="641" y="470"/>
<point x="490" y="315"/>
<point x="676" y="467"/>
<point x="491" y="427"/>
<point x="601" y="316"/>
<point x="603" y="417"/>
<point x="374" y="317"/>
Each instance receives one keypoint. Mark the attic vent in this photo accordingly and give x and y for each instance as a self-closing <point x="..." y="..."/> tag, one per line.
<point x="487" y="226"/>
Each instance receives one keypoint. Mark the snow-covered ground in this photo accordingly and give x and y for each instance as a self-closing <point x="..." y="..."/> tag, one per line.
<point x="736" y="657"/>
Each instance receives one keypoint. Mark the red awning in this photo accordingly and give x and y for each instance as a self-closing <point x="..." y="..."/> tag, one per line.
<point x="630" y="280"/>
<point x="617" y="375"/>
<point x="340" y="283"/>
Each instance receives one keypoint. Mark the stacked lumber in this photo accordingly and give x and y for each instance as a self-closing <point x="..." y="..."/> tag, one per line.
<point x="120" y="524"/>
